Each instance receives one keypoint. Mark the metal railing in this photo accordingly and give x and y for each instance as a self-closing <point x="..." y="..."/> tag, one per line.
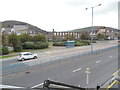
<point x="31" y="64"/>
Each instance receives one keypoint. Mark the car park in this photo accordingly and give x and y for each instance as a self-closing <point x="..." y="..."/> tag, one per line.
<point x="26" y="55"/>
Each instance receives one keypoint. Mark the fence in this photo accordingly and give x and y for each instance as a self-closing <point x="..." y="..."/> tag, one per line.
<point x="28" y="65"/>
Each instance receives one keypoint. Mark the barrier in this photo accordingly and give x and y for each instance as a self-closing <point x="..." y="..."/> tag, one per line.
<point x="27" y="65"/>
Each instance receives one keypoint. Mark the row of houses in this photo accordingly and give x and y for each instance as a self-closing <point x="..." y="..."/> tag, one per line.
<point x="108" y="32"/>
<point x="19" y="29"/>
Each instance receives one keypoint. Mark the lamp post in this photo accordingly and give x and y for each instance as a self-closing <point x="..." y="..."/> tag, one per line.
<point x="92" y="25"/>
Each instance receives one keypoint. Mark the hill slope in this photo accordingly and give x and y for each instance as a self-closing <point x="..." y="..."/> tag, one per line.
<point x="11" y="23"/>
<point x="94" y="28"/>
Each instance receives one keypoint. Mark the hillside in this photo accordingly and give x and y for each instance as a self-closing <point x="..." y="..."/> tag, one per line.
<point x="89" y="28"/>
<point x="11" y="23"/>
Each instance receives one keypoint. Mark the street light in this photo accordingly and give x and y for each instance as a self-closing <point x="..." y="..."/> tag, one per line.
<point x="92" y="25"/>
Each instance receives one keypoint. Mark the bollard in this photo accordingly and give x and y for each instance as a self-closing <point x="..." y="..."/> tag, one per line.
<point x="12" y="68"/>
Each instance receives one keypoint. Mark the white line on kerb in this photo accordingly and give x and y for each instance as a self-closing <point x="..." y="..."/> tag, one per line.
<point x="77" y="70"/>
<point x="37" y="85"/>
<point x="98" y="61"/>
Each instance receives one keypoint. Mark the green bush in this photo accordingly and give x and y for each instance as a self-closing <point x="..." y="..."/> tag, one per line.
<point x="40" y="45"/>
<point x="37" y="45"/>
<point x="4" y="50"/>
<point x="18" y="48"/>
<point x="86" y="42"/>
<point x="28" y="45"/>
<point x="59" y="44"/>
<point x="79" y="44"/>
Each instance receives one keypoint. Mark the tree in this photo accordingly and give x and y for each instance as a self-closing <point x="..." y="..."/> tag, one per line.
<point x="13" y="39"/>
<point x="84" y="37"/>
<point x="69" y="37"/>
<point x="100" y="36"/>
<point x="4" y="39"/>
<point x="18" y="48"/>
<point x="39" y="37"/>
<point x="25" y="38"/>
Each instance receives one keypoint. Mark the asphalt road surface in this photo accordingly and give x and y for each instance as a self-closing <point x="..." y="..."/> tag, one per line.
<point x="62" y="51"/>
<point x="73" y="72"/>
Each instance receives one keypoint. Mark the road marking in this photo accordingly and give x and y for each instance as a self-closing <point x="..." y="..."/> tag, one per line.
<point x="48" y="52"/>
<point x="98" y="61"/>
<point x="37" y="85"/>
<point x="78" y="85"/>
<point x="110" y="56"/>
<point x="77" y="70"/>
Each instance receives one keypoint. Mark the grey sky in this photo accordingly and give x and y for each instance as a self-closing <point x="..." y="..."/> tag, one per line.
<point x="60" y="14"/>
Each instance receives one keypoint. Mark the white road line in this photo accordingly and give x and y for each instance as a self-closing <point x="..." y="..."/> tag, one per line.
<point x="78" y="85"/>
<point x="77" y="70"/>
<point x="37" y="85"/>
<point x="110" y="56"/>
<point x="98" y="61"/>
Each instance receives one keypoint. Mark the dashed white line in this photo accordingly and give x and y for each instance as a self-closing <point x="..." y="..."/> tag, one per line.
<point x="110" y="56"/>
<point x="37" y="85"/>
<point x="77" y="70"/>
<point x="79" y="86"/>
<point x="98" y="61"/>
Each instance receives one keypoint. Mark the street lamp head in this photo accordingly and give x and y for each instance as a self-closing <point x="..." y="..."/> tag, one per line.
<point x="99" y="5"/>
<point x="86" y="8"/>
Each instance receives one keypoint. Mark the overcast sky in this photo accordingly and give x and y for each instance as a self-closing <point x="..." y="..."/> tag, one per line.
<point x="60" y="14"/>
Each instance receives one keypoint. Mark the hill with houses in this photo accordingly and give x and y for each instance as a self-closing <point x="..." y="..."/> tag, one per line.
<point x="12" y="23"/>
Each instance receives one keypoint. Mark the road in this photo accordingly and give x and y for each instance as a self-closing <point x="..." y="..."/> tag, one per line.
<point x="101" y="66"/>
<point x="62" y="51"/>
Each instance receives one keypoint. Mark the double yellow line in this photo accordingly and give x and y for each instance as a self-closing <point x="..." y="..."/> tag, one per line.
<point x="108" y="87"/>
<point x="116" y="81"/>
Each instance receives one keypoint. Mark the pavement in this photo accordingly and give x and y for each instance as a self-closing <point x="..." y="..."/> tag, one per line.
<point x="73" y="72"/>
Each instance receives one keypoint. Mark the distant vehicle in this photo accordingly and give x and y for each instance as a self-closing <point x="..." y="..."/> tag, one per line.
<point x="27" y="55"/>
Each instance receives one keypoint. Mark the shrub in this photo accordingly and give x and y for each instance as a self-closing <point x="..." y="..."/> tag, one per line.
<point x="17" y="48"/>
<point x="86" y="42"/>
<point x="40" y="45"/>
<point x="4" y="50"/>
<point x="59" y="44"/>
<point x="79" y="44"/>
<point x="28" y="45"/>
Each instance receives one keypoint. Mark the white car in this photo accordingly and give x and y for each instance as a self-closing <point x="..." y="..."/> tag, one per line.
<point x="27" y="55"/>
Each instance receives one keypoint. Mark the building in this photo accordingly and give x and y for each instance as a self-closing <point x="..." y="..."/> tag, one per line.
<point x="19" y="29"/>
<point x="110" y="33"/>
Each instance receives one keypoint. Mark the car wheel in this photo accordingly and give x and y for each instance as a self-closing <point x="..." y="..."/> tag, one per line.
<point x="22" y="59"/>
<point x="35" y="57"/>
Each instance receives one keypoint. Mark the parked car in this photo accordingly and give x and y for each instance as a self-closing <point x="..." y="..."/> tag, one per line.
<point x="26" y="55"/>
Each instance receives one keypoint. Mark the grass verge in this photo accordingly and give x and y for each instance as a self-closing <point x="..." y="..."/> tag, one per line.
<point x="7" y="56"/>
